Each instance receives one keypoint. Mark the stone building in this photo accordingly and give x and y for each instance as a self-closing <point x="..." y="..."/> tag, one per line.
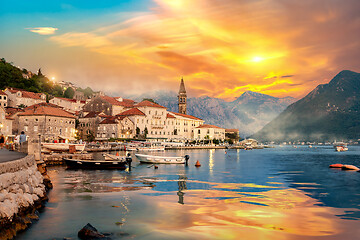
<point x="51" y="123"/>
<point x="88" y="124"/>
<point x="79" y="96"/>
<point x="3" y="99"/>
<point x="115" y="127"/>
<point x="18" y="97"/>
<point x="108" y="105"/>
<point x="5" y="123"/>
<point x="209" y="132"/>
<point x="232" y="134"/>
<point x="70" y="105"/>
<point x="182" y="98"/>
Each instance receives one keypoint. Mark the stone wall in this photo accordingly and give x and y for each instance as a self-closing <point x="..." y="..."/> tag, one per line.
<point x="22" y="191"/>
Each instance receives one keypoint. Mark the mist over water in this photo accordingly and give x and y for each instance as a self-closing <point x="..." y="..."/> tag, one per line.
<point x="280" y="193"/>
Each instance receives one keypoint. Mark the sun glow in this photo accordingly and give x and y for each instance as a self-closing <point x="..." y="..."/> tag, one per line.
<point x="257" y="59"/>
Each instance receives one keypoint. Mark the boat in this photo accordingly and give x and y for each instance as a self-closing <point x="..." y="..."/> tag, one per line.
<point x="144" y="146"/>
<point x="108" y="156"/>
<point x="162" y="159"/>
<point x="63" y="147"/>
<point x="95" y="164"/>
<point x="341" y="148"/>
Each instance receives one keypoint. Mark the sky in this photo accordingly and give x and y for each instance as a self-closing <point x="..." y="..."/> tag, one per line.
<point x="221" y="48"/>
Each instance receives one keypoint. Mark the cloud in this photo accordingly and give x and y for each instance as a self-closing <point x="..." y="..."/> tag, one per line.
<point x="43" y="30"/>
<point x="212" y="44"/>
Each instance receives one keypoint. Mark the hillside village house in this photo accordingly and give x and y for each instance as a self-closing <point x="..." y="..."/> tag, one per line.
<point x="3" y="99"/>
<point x="51" y="123"/>
<point x="5" y="123"/>
<point x="209" y="132"/>
<point x="18" y="97"/>
<point x="108" y="105"/>
<point x="70" y="105"/>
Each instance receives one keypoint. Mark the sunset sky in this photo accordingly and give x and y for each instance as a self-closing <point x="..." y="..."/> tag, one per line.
<point x="221" y="47"/>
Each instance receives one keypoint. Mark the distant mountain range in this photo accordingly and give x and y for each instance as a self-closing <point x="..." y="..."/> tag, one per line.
<point x="248" y="113"/>
<point x="329" y="112"/>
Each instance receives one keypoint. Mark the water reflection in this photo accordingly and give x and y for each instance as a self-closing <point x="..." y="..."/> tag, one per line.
<point x="182" y="186"/>
<point x="275" y="194"/>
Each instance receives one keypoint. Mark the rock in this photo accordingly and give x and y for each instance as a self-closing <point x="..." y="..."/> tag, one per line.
<point x="88" y="232"/>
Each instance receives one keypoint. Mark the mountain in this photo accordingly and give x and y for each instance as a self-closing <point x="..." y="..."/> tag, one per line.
<point x="248" y="113"/>
<point x="329" y="112"/>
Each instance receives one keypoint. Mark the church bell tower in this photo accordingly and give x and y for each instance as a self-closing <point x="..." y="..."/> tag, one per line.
<point x="182" y="98"/>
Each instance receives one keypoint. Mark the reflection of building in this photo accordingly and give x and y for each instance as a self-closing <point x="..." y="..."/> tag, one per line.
<point x="209" y="132"/>
<point x="3" y="99"/>
<point x="18" y="97"/>
<point x="52" y="123"/>
<point x="182" y="98"/>
<point x="181" y="186"/>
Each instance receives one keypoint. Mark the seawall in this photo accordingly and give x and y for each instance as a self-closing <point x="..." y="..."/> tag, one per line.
<point x="22" y="193"/>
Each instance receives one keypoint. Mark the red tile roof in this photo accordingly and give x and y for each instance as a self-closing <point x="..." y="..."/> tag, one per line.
<point x="231" y="130"/>
<point x="92" y="114"/>
<point x="170" y="116"/>
<point x="147" y="103"/>
<point x="2" y="93"/>
<point x="46" y="111"/>
<point x="45" y="104"/>
<point x="185" y="115"/>
<point x="114" y="101"/>
<point x="111" y="120"/>
<point x="132" y="112"/>
<point x="67" y="99"/>
<point x="208" y="126"/>
<point x="26" y="94"/>
<point x="11" y="111"/>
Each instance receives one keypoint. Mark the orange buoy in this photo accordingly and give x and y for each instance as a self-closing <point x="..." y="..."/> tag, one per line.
<point x="350" y="167"/>
<point x="117" y="154"/>
<point x="336" y="165"/>
<point x="197" y="164"/>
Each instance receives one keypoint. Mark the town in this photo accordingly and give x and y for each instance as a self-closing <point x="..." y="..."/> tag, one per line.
<point x="102" y="118"/>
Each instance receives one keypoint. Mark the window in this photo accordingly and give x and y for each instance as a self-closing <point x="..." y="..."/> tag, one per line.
<point x="35" y="128"/>
<point x="4" y="97"/>
<point x="25" y="128"/>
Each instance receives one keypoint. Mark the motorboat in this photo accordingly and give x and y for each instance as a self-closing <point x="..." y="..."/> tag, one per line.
<point x="95" y="164"/>
<point x="341" y="148"/>
<point x="63" y="147"/>
<point x="162" y="159"/>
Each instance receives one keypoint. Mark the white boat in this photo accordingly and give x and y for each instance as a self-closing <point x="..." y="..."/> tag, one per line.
<point x="162" y="159"/>
<point x="341" y="148"/>
<point x="63" y="146"/>
<point x="144" y="147"/>
<point x="108" y="156"/>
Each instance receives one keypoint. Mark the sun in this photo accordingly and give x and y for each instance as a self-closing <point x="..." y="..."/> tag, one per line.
<point x="257" y="59"/>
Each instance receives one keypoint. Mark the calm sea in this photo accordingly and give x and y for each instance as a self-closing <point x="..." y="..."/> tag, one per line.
<point x="279" y="193"/>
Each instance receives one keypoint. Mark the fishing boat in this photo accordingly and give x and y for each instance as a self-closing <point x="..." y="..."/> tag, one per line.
<point x="95" y="164"/>
<point x="108" y="156"/>
<point x="162" y="159"/>
<point x="63" y="147"/>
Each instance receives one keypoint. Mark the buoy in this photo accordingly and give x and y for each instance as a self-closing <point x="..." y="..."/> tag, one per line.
<point x="117" y="154"/>
<point x="197" y="164"/>
<point x="336" y="165"/>
<point x="350" y="167"/>
<point x="156" y="167"/>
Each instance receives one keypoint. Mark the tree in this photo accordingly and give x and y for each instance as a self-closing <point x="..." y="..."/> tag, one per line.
<point x="69" y="93"/>
<point x="150" y="100"/>
<point x="90" y="136"/>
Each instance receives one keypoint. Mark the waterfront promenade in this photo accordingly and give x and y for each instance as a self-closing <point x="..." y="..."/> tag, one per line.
<point x="6" y="155"/>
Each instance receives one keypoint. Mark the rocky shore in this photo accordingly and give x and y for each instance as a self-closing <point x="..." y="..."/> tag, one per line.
<point x="23" y="191"/>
